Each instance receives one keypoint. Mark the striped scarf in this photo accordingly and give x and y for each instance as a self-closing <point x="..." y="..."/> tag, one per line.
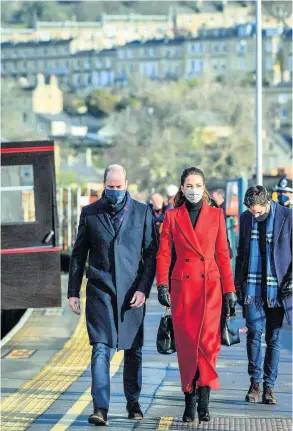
<point x="253" y="287"/>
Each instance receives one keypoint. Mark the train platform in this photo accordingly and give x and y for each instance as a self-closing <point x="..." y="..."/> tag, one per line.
<point x="46" y="380"/>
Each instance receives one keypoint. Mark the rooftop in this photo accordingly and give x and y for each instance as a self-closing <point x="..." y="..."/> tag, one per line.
<point x="35" y="43"/>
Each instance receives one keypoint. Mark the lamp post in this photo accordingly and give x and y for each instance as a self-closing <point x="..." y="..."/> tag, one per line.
<point x="259" y="167"/>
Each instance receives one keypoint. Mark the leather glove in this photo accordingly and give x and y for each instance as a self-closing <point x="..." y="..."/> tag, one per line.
<point x="230" y="299"/>
<point x="286" y="290"/>
<point x="164" y="295"/>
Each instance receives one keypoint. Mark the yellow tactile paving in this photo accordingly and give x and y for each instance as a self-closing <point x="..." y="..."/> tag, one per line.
<point x="33" y="398"/>
<point x="165" y="423"/>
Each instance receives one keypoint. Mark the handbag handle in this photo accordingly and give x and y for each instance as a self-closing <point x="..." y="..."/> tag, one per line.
<point x="167" y="311"/>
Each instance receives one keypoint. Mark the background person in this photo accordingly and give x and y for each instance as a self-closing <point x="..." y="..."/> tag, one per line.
<point x="219" y="197"/>
<point x="119" y="235"/>
<point x="285" y="192"/>
<point x="201" y="279"/>
<point x="159" y="208"/>
<point x="171" y="192"/>
<point x="263" y="264"/>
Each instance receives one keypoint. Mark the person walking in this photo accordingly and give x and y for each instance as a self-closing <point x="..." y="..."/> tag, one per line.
<point x="218" y="196"/>
<point x="119" y="235"/>
<point x="285" y="192"/>
<point x="263" y="268"/>
<point x="201" y="279"/>
<point x="159" y="208"/>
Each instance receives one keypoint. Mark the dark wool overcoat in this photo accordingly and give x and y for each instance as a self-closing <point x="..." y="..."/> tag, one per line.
<point x="118" y="265"/>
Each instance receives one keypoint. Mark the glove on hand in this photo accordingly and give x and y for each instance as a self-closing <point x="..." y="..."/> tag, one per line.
<point x="164" y="295"/>
<point x="230" y="299"/>
<point x="286" y="290"/>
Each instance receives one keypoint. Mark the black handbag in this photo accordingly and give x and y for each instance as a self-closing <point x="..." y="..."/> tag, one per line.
<point x="230" y="330"/>
<point x="165" y="336"/>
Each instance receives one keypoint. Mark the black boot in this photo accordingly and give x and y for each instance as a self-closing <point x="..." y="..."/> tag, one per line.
<point x="190" y="405"/>
<point x="203" y="404"/>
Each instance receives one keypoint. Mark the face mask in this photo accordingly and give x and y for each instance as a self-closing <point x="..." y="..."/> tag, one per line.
<point x="115" y="197"/>
<point x="193" y="195"/>
<point x="262" y="217"/>
<point x="282" y="199"/>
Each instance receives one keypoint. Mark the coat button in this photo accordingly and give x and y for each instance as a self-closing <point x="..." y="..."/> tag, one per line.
<point x="186" y="260"/>
<point x="187" y="276"/>
<point x="202" y="259"/>
<point x="202" y="275"/>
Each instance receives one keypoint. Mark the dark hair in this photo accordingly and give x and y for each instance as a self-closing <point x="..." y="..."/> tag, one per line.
<point x="180" y="199"/>
<point x="256" y="195"/>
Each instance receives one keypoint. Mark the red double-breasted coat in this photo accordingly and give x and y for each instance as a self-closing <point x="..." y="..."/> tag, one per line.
<point x="201" y="275"/>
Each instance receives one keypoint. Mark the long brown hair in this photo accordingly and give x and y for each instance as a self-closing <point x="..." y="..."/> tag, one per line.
<point x="180" y="199"/>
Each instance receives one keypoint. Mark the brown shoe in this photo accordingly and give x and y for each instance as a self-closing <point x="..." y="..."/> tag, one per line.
<point x="252" y="395"/>
<point x="268" y="396"/>
<point x="99" y="417"/>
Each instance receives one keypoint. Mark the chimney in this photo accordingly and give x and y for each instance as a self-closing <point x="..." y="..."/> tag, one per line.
<point x="88" y="157"/>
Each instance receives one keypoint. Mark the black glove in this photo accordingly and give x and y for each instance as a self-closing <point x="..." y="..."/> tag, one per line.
<point x="164" y="295"/>
<point x="230" y="299"/>
<point x="286" y="289"/>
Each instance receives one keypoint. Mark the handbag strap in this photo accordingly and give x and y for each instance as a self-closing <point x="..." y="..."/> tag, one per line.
<point x="167" y="311"/>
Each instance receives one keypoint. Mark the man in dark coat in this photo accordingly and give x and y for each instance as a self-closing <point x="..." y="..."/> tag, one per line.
<point x="119" y="235"/>
<point x="263" y="281"/>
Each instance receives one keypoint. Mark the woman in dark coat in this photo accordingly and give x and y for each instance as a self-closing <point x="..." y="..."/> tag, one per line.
<point x="201" y="279"/>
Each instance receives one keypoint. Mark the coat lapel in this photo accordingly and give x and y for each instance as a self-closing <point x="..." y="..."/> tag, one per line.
<point x="128" y="216"/>
<point x="278" y="223"/>
<point x="104" y="218"/>
<point x="183" y="221"/>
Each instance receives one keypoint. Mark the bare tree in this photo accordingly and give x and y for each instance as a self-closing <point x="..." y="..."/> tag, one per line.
<point x="210" y="126"/>
<point x="280" y="10"/>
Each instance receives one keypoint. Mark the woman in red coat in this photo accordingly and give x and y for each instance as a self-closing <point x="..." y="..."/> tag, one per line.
<point x="201" y="279"/>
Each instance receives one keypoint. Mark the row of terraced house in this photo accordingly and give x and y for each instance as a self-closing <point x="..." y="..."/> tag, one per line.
<point x="213" y="53"/>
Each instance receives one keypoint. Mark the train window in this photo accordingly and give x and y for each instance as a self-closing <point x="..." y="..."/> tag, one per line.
<point x="17" y="194"/>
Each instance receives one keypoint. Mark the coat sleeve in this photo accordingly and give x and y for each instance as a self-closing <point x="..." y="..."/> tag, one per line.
<point x="222" y="256"/>
<point x="149" y="251"/>
<point x="78" y="258"/>
<point x="165" y="252"/>
<point x="240" y="256"/>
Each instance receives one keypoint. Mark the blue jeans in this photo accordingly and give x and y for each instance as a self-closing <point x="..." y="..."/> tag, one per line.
<point x="255" y="322"/>
<point x="100" y="366"/>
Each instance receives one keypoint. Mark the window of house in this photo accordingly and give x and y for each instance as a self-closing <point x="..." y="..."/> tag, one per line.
<point x="120" y="53"/>
<point x="98" y="63"/>
<point x="17" y="194"/>
<point x="241" y="47"/>
<point x="223" y="47"/>
<point x="290" y="63"/>
<point x="283" y="113"/>
<point x="107" y="62"/>
<point x="129" y="53"/>
<point x="215" y="64"/>
<point x="215" y="47"/>
<point x="268" y="46"/>
<point x="241" y="63"/>
<point x="268" y="63"/>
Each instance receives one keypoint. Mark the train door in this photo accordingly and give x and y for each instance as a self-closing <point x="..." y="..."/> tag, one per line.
<point x="30" y="252"/>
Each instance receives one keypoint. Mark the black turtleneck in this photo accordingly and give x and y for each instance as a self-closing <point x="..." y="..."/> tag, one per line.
<point x="193" y="211"/>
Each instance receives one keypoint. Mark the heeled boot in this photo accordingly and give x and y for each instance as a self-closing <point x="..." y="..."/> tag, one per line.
<point x="203" y="404"/>
<point x="190" y="407"/>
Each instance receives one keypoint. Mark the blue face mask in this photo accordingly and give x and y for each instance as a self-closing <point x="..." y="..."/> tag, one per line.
<point x="282" y="199"/>
<point x="115" y="197"/>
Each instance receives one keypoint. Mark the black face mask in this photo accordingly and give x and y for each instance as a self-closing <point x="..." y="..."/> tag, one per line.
<point x="262" y="217"/>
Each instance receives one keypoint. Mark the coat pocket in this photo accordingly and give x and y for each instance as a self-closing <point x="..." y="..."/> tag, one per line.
<point x="177" y="275"/>
<point x="213" y="275"/>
